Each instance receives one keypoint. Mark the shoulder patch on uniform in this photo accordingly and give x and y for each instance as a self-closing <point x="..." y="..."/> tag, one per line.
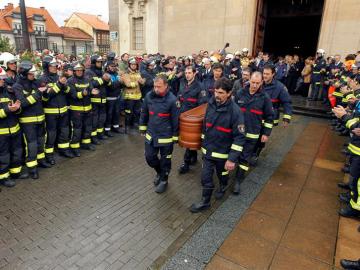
<point x="241" y="128"/>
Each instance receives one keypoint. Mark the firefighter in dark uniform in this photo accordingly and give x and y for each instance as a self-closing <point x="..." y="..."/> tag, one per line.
<point x="80" y="110"/>
<point x="190" y="95"/>
<point x="352" y="122"/>
<point x="209" y="82"/>
<point x="32" y="117"/>
<point x="68" y="70"/>
<point x="113" y="92"/>
<point x="56" y="112"/>
<point x="11" y="71"/>
<point x="319" y="69"/>
<point x="149" y="75"/>
<point x="99" y="81"/>
<point x="10" y="135"/>
<point x="159" y="123"/>
<point x="279" y="97"/>
<point x="258" y="112"/>
<point x="223" y="140"/>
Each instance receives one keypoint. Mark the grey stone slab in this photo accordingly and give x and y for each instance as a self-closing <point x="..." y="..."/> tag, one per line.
<point x="183" y="261"/>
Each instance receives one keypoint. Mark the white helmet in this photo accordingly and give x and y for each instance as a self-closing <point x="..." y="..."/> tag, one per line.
<point x="33" y="69"/>
<point x="214" y="59"/>
<point x="245" y="50"/>
<point x="321" y="51"/>
<point x="205" y="61"/>
<point x="237" y="53"/>
<point x="3" y="74"/>
<point x="6" y="58"/>
<point x="229" y="56"/>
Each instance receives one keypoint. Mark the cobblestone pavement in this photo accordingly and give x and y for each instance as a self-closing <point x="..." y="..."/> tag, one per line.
<point x="100" y="211"/>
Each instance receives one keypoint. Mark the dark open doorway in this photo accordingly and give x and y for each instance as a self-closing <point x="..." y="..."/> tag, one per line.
<point x="288" y="26"/>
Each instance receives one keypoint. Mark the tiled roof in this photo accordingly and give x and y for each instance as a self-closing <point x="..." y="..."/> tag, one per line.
<point x="50" y="24"/>
<point x="74" y="33"/>
<point x="94" y="21"/>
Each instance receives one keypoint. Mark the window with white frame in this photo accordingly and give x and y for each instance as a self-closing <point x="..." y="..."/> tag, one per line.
<point x="138" y="34"/>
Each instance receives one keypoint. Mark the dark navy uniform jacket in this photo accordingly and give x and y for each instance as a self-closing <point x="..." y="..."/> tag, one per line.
<point x="190" y="96"/>
<point x="159" y="118"/>
<point x="279" y="97"/>
<point x="258" y="112"/>
<point x="223" y="131"/>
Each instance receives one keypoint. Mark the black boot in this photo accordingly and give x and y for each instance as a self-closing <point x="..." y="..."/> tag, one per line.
<point x="204" y="203"/>
<point x="238" y="179"/>
<point x="184" y="168"/>
<point x="161" y="187"/>
<point x="67" y="153"/>
<point x="109" y="134"/>
<point x="349" y="212"/>
<point x="350" y="265"/>
<point x="43" y="164"/>
<point x="117" y="130"/>
<point x="8" y="182"/>
<point x="193" y="160"/>
<point x="345" y="197"/>
<point x="95" y="140"/>
<point x="220" y="192"/>
<point x="50" y="159"/>
<point x="34" y="174"/>
<point x="157" y="180"/>
<point x="88" y="146"/>
<point x="102" y="137"/>
<point x="76" y="152"/>
<point x="21" y="175"/>
<point x="344" y="185"/>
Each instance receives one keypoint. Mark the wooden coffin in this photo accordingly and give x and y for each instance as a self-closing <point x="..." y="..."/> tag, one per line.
<point x="191" y="127"/>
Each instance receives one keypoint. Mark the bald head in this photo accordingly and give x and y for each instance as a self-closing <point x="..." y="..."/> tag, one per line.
<point x="256" y="81"/>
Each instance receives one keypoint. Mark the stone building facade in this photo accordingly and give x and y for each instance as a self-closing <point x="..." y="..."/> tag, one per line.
<point x="181" y="27"/>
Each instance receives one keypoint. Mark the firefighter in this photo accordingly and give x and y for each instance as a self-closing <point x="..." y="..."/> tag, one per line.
<point x="352" y="122"/>
<point x="132" y="94"/>
<point x="190" y="95"/>
<point x="278" y="94"/>
<point x="80" y="110"/>
<point x="209" y="82"/>
<point x="279" y="97"/>
<point x="319" y="68"/>
<point x="159" y="123"/>
<point x="32" y="117"/>
<point x="9" y="61"/>
<point x="257" y="108"/>
<point x="223" y="140"/>
<point x="68" y="71"/>
<point x="10" y="135"/>
<point x="56" y="112"/>
<point x="113" y="102"/>
<point x="149" y="75"/>
<point x="98" y="102"/>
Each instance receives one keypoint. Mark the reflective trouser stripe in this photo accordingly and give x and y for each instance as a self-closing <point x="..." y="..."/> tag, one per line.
<point x="86" y="141"/>
<point x="40" y="156"/>
<point x="75" y="145"/>
<point x="63" y="145"/>
<point x="99" y="130"/>
<point x="31" y="164"/>
<point x="93" y="133"/>
<point x="15" y="170"/>
<point x="49" y="150"/>
<point x="5" y="175"/>
<point x="356" y="204"/>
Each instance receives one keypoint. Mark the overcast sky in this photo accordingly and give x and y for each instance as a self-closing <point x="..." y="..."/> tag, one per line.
<point x="62" y="9"/>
